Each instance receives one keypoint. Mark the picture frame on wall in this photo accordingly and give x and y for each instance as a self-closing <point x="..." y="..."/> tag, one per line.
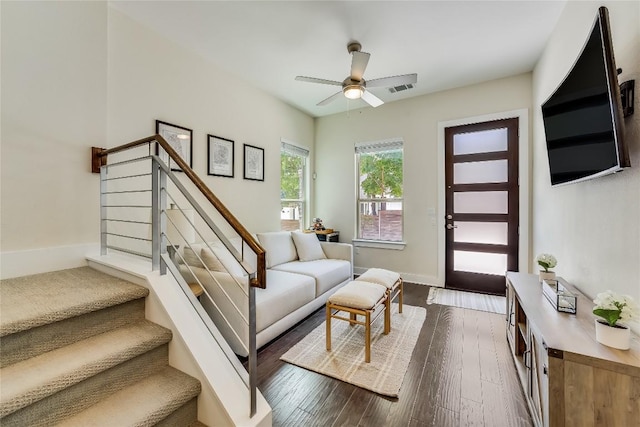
<point x="180" y="139"/>
<point x="253" y="163"/>
<point x="220" y="152"/>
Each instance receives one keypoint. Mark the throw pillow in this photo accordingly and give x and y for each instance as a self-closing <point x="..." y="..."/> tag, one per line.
<point x="231" y="265"/>
<point x="308" y="246"/>
<point x="190" y="257"/>
<point x="279" y="247"/>
<point x="210" y="260"/>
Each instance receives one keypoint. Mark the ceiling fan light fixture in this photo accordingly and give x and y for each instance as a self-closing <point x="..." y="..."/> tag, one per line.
<point x="353" y="91"/>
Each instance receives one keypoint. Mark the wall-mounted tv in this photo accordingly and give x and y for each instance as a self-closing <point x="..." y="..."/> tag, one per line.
<point x="583" y="117"/>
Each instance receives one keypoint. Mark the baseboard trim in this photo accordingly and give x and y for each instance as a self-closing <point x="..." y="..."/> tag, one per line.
<point x="408" y="277"/>
<point x="44" y="260"/>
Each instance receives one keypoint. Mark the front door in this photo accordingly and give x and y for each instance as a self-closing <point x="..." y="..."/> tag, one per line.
<point x="481" y="208"/>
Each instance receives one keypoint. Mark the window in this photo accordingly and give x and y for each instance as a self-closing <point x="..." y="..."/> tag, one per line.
<point x="380" y="179"/>
<point x="293" y="178"/>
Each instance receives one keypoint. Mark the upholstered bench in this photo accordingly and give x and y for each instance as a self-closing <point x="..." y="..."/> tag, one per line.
<point x="390" y="279"/>
<point x="359" y="298"/>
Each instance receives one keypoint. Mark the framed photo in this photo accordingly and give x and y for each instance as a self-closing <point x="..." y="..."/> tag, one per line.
<point x="220" y="154"/>
<point x="253" y="163"/>
<point x="180" y="139"/>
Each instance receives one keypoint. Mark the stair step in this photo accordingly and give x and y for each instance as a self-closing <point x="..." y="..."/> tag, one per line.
<point x="31" y="301"/>
<point x="145" y="403"/>
<point x="33" y="342"/>
<point x="31" y="380"/>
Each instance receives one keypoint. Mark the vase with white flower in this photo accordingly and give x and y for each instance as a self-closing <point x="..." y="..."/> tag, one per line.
<point x="547" y="261"/>
<point x="615" y="311"/>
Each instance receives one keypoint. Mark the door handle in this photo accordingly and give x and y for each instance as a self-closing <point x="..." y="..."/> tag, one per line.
<point x="451" y="226"/>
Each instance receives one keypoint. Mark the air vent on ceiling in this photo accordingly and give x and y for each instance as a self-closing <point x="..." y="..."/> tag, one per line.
<point x="400" y="88"/>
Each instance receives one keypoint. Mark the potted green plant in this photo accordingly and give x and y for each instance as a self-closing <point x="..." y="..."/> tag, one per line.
<point x="614" y="310"/>
<point x="547" y="261"/>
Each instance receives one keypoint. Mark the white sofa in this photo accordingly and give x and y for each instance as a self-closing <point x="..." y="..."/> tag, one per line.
<point x="302" y="273"/>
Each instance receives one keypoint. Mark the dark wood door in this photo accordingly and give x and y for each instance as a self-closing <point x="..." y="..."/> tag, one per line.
<point x="481" y="179"/>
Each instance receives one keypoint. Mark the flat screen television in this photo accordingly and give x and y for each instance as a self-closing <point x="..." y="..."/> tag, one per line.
<point x="583" y="117"/>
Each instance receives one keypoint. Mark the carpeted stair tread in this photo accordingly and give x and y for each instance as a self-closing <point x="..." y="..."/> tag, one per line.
<point x="145" y="403"/>
<point x="60" y="295"/>
<point x="30" y="380"/>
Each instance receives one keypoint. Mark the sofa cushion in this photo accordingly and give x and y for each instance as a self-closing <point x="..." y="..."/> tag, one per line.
<point x="279" y="247"/>
<point x="285" y="293"/>
<point x="190" y="257"/>
<point x="326" y="272"/>
<point x="210" y="260"/>
<point x="307" y="246"/>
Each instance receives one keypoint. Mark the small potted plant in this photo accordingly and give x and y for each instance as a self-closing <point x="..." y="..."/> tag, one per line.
<point x="613" y="310"/>
<point x="547" y="261"/>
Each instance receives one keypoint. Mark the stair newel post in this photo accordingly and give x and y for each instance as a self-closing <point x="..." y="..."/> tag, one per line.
<point x="156" y="236"/>
<point x="103" y="210"/>
<point x="253" y="354"/>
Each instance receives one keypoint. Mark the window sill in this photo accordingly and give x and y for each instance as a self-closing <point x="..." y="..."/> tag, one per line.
<point x="378" y="244"/>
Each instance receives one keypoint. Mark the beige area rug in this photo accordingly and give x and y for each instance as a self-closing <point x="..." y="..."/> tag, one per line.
<point x="471" y="300"/>
<point x="390" y="354"/>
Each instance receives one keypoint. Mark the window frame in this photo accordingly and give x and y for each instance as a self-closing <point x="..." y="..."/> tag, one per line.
<point x="369" y="148"/>
<point x="296" y="150"/>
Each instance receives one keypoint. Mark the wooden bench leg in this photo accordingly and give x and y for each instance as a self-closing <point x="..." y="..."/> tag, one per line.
<point x="400" y="296"/>
<point x="387" y="315"/>
<point x="353" y="318"/>
<point x="328" y="332"/>
<point x="367" y="338"/>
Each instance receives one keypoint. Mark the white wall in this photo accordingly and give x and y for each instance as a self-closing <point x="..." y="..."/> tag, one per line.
<point x="154" y="78"/>
<point x="593" y="227"/>
<point x="54" y="108"/>
<point x="416" y="121"/>
<point x="80" y="74"/>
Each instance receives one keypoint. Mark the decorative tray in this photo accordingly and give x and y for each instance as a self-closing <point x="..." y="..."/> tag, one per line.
<point x="559" y="296"/>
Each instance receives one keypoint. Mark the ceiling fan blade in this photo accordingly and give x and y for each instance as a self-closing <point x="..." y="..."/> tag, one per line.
<point x="371" y="99"/>
<point x="329" y="99"/>
<point x="321" y="81"/>
<point x="359" y="63"/>
<point x="392" y="81"/>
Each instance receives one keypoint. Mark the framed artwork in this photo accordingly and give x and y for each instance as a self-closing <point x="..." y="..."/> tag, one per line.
<point x="220" y="154"/>
<point x="180" y="139"/>
<point x="253" y="163"/>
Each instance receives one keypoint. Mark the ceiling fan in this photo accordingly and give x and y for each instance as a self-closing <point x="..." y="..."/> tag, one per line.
<point x="355" y="86"/>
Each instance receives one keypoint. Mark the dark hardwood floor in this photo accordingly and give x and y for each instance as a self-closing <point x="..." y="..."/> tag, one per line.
<point x="460" y="374"/>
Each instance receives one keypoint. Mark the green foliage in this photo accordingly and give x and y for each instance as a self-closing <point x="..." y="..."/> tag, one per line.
<point x="291" y="179"/>
<point x="383" y="174"/>
<point x="611" y="316"/>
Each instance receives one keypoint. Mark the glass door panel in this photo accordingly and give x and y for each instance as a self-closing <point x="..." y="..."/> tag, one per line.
<point x="496" y="202"/>
<point x="479" y="262"/>
<point x="481" y="172"/>
<point x="486" y="141"/>
<point x="493" y="233"/>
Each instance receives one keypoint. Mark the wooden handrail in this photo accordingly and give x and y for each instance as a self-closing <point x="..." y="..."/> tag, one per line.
<point x="261" y="280"/>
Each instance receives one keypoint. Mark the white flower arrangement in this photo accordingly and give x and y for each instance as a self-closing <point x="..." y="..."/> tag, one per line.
<point x="546" y="261"/>
<point x="613" y="307"/>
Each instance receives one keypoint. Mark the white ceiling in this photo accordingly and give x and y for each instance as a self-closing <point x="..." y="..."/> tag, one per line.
<point x="268" y="43"/>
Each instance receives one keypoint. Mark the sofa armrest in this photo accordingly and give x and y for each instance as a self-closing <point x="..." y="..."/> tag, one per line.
<point x="338" y="250"/>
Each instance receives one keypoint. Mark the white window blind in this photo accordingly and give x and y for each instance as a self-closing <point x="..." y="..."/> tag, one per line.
<point x="294" y="150"/>
<point x="376" y="147"/>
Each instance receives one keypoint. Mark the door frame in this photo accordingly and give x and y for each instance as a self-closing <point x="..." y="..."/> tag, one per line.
<point x="524" y="156"/>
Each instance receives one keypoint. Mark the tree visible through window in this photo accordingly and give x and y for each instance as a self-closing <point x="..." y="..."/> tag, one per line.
<point x="380" y="172"/>
<point x="293" y="162"/>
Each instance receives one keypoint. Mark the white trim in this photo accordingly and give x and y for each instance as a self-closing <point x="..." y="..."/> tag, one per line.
<point x="379" y="244"/>
<point x="44" y="260"/>
<point x="524" y="175"/>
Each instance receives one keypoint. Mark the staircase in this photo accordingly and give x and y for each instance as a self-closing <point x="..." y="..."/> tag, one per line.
<point x="76" y="350"/>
